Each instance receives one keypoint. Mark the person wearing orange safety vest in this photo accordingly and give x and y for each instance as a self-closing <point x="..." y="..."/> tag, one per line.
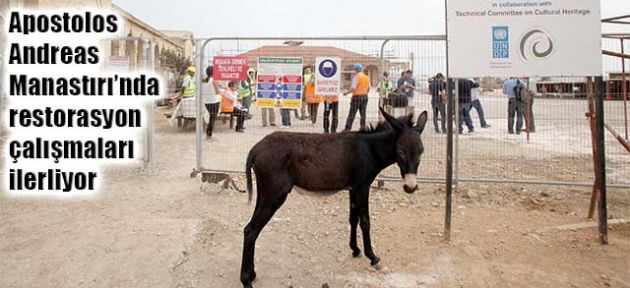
<point x="359" y="90"/>
<point x="307" y="78"/>
<point x="312" y="100"/>
<point x="229" y="104"/>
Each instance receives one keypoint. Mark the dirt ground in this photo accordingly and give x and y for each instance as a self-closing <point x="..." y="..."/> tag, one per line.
<point x="156" y="227"/>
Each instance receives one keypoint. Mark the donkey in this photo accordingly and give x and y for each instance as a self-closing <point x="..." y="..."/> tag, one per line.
<point x="329" y="162"/>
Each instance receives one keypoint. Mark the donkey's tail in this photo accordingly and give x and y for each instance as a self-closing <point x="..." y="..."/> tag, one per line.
<point x="248" y="173"/>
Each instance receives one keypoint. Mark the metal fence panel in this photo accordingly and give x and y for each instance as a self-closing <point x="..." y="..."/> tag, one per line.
<point x="229" y="152"/>
<point x="559" y="152"/>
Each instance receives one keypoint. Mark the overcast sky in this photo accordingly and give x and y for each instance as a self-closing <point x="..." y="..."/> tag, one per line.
<point x="240" y="18"/>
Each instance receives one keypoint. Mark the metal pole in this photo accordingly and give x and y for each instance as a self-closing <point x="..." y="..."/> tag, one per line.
<point x="601" y="164"/>
<point x="457" y="116"/>
<point x="536" y="182"/>
<point x="593" y="126"/>
<point x="3" y="43"/>
<point x="449" y="158"/>
<point x="380" y="183"/>
<point x="380" y="101"/>
<point x="625" y="90"/>
<point x="449" y="141"/>
<point x="615" y="134"/>
<point x="151" y="107"/>
<point x="1" y="79"/>
<point x="199" y="119"/>
<point x="383" y="56"/>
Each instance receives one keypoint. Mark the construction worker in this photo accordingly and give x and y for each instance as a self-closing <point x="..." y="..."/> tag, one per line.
<point x="188" y="85"/>
<point x="186" y="109"/>
<point x="268" y="114"/>
<point x="312" y="100"/>
<point x="331" y="104"/>
<point x="385" y="86"/>
<point x="245" y="92"/>
<point x="308" y="77"/>
<point x="229" y="104"/>
<point x="359" y="90"/>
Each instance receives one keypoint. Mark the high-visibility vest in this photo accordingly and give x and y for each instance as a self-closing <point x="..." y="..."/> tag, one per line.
<point x="191" y="90"/>
<point x="386" y="86"/>
<point x="227" y="105"/>
<point x="333" y="99"/>
<point x="305" y="80"/>
<point x="363" y="86"/>
<point x="243" y="90"/>
<point x="309" y="94"/>
<point x="252" y="85"/>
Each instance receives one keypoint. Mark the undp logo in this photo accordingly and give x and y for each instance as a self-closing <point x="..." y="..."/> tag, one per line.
<point x="500" y="34"/>
<point x="500" y="42"/>
<point x="327" y="68"/>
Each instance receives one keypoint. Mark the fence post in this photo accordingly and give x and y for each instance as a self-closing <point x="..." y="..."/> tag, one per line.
<point x="449" y="159"/>
<point x="456" y="115"/>
<point x="383" y="56"/>
<point x="380" y="103"/>
<point x="601" y="163"/>
<point x="2" y="96"/>
<point x="625" y="90"/>
<point x="591" y="119"/>
<point x="198" y="60"/>
<point x="148" y="65"/>
<point x="3" y="42"/>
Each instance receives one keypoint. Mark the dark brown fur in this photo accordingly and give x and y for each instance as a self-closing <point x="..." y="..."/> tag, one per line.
<point x="328" y="162"/>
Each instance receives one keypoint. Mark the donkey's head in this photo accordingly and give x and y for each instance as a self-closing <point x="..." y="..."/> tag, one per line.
<point x="408" y="146"/>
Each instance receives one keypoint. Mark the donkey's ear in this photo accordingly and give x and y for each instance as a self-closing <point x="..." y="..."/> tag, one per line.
<point x="397" y="125"/>
<point x="422" y="121"/>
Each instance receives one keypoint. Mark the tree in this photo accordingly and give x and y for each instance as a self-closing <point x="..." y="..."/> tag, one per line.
<point x="169" y="59"/>
<point x="177" y="63"/>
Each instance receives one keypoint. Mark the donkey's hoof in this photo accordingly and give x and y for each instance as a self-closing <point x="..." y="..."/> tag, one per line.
<point x="376" y="263"/>
<point x="356" y="253"/>
<point x="378" y="266"/>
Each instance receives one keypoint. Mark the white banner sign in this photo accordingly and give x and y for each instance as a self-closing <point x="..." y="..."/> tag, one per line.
<point x="524" y="38"/>
<point x="328" y="76"/>
<point x="118" y="63"/>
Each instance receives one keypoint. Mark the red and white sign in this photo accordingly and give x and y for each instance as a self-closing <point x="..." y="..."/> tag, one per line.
<point x="230" y="68"/>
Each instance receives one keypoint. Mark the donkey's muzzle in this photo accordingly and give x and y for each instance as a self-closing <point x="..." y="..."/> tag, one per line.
<point x="410" y="184"/>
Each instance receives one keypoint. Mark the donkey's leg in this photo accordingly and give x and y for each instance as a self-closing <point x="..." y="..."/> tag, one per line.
<point x="363" y="202"/>
<point x="354" y="221"/>
<point x="265" y="208"/>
